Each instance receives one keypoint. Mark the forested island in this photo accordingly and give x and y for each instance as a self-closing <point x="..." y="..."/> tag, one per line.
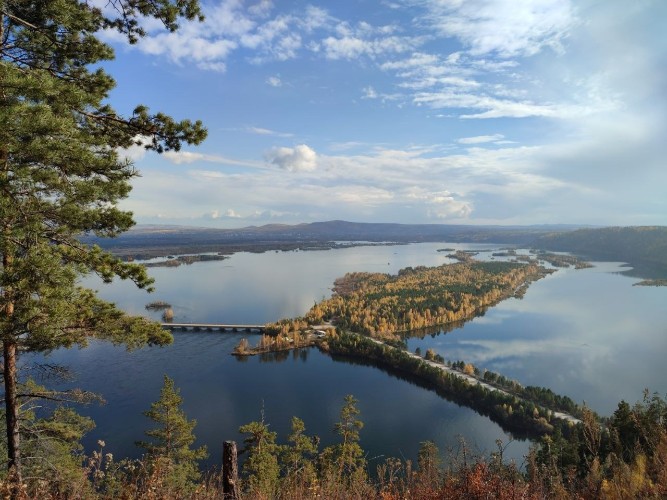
<point x="185" y="259"/>
<point x="383" y="306"/>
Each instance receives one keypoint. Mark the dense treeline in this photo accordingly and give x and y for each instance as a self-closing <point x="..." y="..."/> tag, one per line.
<point x="624" y="459"/>
<point x="513" y="412"/>
<point x="382" y="305"/>
<point x="645" y="248"/>
<point x="539" y="395"/>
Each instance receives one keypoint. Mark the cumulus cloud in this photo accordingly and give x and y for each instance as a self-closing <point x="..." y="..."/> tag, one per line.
<point x="227" y="214"/>
<point x="300" y="158"/>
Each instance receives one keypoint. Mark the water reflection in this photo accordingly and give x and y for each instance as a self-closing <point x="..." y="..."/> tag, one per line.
<point x="280" y="356"/>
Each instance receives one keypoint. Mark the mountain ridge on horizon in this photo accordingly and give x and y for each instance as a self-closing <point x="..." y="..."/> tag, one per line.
<point x="345" y="223"/>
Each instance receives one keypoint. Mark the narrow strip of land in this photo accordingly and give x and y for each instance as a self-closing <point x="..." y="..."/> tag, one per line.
<point x="475" y="381"/>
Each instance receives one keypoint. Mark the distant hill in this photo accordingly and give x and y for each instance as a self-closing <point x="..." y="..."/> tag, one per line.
<point x="643" y="247"/>
<point x="328" y="231"/>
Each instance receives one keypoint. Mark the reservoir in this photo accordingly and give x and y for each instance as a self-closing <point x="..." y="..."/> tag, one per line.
<point x="588" y="334"/>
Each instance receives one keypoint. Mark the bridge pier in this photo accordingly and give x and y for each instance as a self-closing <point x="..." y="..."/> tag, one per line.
<point x="209" y="327"/>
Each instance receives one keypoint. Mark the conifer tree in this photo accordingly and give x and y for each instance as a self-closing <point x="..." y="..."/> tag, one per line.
<point x="171" y="446"/>
<point x="61" y="177"/>
<point x="261" y="466"/>
<point x="297" y="460"/>
<point x="345" y="460"/>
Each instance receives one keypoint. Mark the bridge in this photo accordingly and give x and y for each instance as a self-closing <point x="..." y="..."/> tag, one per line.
<point x="222" y="327"/>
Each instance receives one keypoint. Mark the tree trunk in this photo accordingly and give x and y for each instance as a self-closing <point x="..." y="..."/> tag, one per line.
<point x="230" y="471"/>
<point x="10" y="379"/>
<point x="12" y="411"/>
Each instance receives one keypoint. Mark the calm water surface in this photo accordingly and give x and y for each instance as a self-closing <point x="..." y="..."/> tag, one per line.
<point x="588" y="333"/>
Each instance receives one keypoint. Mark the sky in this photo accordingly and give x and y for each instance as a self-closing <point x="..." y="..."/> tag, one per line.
<point x="411" y="111"/>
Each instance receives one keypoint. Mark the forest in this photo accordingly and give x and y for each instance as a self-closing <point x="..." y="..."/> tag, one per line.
<point x="383" y="306"/>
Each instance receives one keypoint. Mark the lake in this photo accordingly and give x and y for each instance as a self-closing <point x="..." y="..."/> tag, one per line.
<point x="588" y="334"/>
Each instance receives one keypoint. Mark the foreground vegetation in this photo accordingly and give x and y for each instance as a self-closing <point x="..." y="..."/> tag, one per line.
<point x="625" y="458"/>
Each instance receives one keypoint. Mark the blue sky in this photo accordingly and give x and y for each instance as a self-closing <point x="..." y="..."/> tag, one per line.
<point x="411" y="111"/>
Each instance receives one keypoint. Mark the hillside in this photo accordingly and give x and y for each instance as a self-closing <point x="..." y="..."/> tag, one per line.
<point x="643" y="247"/>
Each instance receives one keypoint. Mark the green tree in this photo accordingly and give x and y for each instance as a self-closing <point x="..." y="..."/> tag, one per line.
<point x="297" y="461"/>
<point x="51" y="441"/>
<point x="345" y="460"/>
<point x="61" y="177"/>
<point x="261" y="466"/>
<point x="171" y="447"/>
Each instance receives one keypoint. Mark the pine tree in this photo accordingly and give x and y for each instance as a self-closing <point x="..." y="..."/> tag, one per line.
<point x="171" y="446"/>
<point x="61" y="177"/>
<point x="345" y="461"/>
<point x="297" y="462"/>
<point x="261" y="466"/>
<point x="51" y="441"/>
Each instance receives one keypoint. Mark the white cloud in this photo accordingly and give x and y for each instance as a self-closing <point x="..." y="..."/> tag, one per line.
<point x="493" y="107"/>
<point x="481" y="138"/>
<point x="596" y="113"/>
<point x="301" y="158"/>
<point x="137" y="151"/>
<point x="500" y="185"/>
<point x="363" y="195"/>
<point x="274" y="81"/>
<point x="206" y="52"/>
<point x="353" y="47"/>
<point x="266" y="131"/>
<point x="261" y="9"/>
<point x="440" y="204"/>
<point x="228" y="214"/>
<point x="187" y="157"/>
<point x="369" y="93"/>
<point x="231" y="26"/>
<point x="180" y="157"/>
<point x="416" y="60"/>
<point x="506" y="28"/>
